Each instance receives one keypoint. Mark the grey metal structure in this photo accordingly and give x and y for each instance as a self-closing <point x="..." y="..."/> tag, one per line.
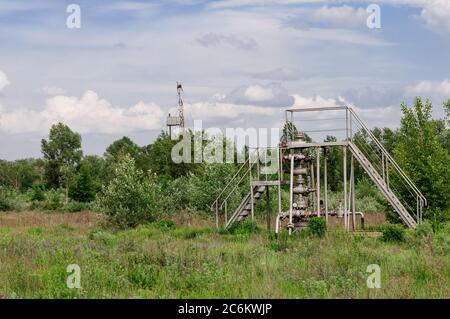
<point x="177" y="121"/>
<point x="299" y="168"/>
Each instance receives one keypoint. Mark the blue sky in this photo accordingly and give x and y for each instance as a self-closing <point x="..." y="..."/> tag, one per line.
<point x="241" y="62"/>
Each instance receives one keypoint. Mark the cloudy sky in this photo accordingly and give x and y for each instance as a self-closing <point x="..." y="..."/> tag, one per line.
<point x="241" y="63"/>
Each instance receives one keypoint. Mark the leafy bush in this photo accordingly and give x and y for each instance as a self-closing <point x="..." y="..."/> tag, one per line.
<point x="317" y="226"/>
<point x="424" y="230"/>
<point x="37" y="193"/>
<point x="131" y="198"/>
<point x="103" y="237"/>
<point x="393" y="233"/>
<point x="52" y="202"/>
<point x="165" y="224"/>
<point x="73" y="207"/>
<point x="5" y="199"/>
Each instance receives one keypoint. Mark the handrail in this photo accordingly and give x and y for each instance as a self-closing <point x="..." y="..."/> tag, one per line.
<point x="389" y="157"/>
<point x="228" y="184"/>
<point x="235" y="186"/>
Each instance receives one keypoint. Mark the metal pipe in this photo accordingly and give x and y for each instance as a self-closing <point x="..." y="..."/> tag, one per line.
<point x="277" y="224"/>
<point x="291" y="193"/>
<point x="362" y="218"/>
<point x="345" y="189"/>
<point x="352" y="178"/>
<point x="325" y="181"/>
<point x="318" y="180"/>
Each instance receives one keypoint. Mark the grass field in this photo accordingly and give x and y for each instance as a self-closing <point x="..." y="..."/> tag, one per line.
<point x="194" y="260"/>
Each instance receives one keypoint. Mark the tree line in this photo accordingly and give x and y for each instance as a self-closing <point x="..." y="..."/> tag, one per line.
<point x="420" y="145"/>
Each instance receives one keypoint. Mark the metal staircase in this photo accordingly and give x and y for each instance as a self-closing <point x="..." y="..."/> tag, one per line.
<point x="391" y="180"/>
<point x="250" y="182"/>
<point x="382" y="186"/>
<point x="245" y="207"/>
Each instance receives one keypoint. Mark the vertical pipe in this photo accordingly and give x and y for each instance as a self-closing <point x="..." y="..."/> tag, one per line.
<point x="345" y="188"/>
<point x="351" y="127"/>
<point x="346" y="123"/>
<point x="291" y="193"/>
<point x="352" y="174"/>
<point x="382" y="165"/>
<point x="325" y="182"/>
<point x="252" y="202"/>
<point x="280" y="177"/>
<point x="318" y="180"/>
<point x="313" y="185"/>
<point x="279" y="198"/>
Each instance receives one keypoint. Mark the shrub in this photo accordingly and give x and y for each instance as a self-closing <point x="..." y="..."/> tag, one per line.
<point x="83" y="189"/>
<point x="165" y="224"/>
<point x="103" y="237"/>
<point x="52" y="202"/>
<point x="131" y="198"/>
<point x="424" y="230"/>
<point x="37" y="193"/>
<point x="393" y="233"/>
<point x="5" y="199"/>
<point x="73" y="207"/>
<point x="317" y="226"/>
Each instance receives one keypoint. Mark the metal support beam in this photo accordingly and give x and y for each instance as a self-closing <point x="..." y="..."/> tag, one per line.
<point x="291" y="194"/>
<point x="352" y="183"/>
<point x="318" y="180"/>
<point x="325" y="183"/>
<point x="252" y="201"/>
<point x="345" y="190"/>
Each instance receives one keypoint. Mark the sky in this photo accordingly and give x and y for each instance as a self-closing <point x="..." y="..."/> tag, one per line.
<point x="241" y="63"/>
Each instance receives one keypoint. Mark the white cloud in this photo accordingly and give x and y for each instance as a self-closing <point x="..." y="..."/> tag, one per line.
<point x="436" y="15"/>
<point x="317" y="101"/>
<point x="3" y="81"/>
<point x="258" y="93"/>
<point x="432" y="89"/>
<point x="87" y="114"/>
<point x="343" y="16"/>
<point x="270" y="95"/>
<point x="220" y="110"/>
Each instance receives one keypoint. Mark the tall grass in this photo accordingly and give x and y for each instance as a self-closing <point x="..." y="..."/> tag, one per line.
<point x="152" y="261"/>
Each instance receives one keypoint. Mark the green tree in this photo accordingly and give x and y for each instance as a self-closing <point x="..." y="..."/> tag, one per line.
<point x="98" y="169"/>
<point x="131" y="198"/>
<point x="420" y="153"/>
<point x="62" y="152"/>
<point x="83" y="189"/>
<point x="120" y="148"/>
<point x="160" y="158"/>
